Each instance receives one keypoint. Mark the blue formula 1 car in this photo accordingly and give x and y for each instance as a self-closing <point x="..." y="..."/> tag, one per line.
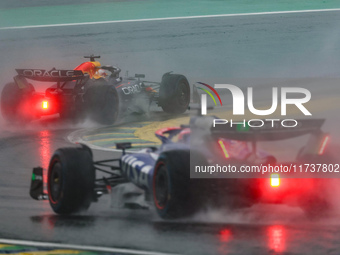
<point x="163" y="175"/>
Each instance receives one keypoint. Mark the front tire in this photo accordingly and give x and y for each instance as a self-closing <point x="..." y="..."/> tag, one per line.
<point x="70" y="180"/>
<point x="174" y="193"/>
<point x="174" y="93"/>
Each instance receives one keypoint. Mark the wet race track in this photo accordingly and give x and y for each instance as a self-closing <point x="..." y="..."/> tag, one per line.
<point x="297" y="49"/>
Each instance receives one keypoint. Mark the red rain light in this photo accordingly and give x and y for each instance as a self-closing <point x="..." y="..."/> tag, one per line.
<point x="275" y="180"/>
<point x="44" y="105"/>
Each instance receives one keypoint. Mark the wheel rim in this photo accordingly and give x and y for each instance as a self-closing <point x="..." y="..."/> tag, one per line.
<point x="55" y="182"/>
<point x="183" y="94"/>
<point x="161" y="187"/>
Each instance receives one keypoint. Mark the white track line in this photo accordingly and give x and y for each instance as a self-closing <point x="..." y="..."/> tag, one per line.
<point x="80" y="247"/>
<point x="169" y="18"/>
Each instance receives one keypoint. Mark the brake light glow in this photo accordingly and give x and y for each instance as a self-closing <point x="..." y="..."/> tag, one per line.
<point x="275" y="180"/>
<point x="224" y="149"/>
<point x="44" y="105"/>
<point x="323" y="145"/>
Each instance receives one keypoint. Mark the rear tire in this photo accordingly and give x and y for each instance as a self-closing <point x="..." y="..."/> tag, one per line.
<point x="174" y="93"/>
<point x="13" y="102"/>
<point x="102" y="103"/>
<point x="70" y="180"/>
<point x="76" y="114"/>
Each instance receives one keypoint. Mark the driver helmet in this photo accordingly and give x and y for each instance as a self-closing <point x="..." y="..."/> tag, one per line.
<point x="100" y="73"/>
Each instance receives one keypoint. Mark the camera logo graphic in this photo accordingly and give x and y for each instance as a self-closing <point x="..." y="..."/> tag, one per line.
<point x="204" y="97"/>
<point x="239" y="99"/>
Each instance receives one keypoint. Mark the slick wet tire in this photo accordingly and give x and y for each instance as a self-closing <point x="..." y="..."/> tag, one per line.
<point x="13" y="100"/>
<point x="174" y="193"/>
<point x="174" y="93"/>
<point x="70" y="180"/>
<point x="102" y="103"/>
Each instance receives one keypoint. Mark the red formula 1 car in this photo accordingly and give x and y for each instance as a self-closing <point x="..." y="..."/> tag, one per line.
<point x="90" y="90"/>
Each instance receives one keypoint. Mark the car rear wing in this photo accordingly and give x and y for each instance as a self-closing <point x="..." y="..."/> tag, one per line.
<point x="53" y="75"/>
<point x="316" y="143"/>
<point x="268" y="132"/>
